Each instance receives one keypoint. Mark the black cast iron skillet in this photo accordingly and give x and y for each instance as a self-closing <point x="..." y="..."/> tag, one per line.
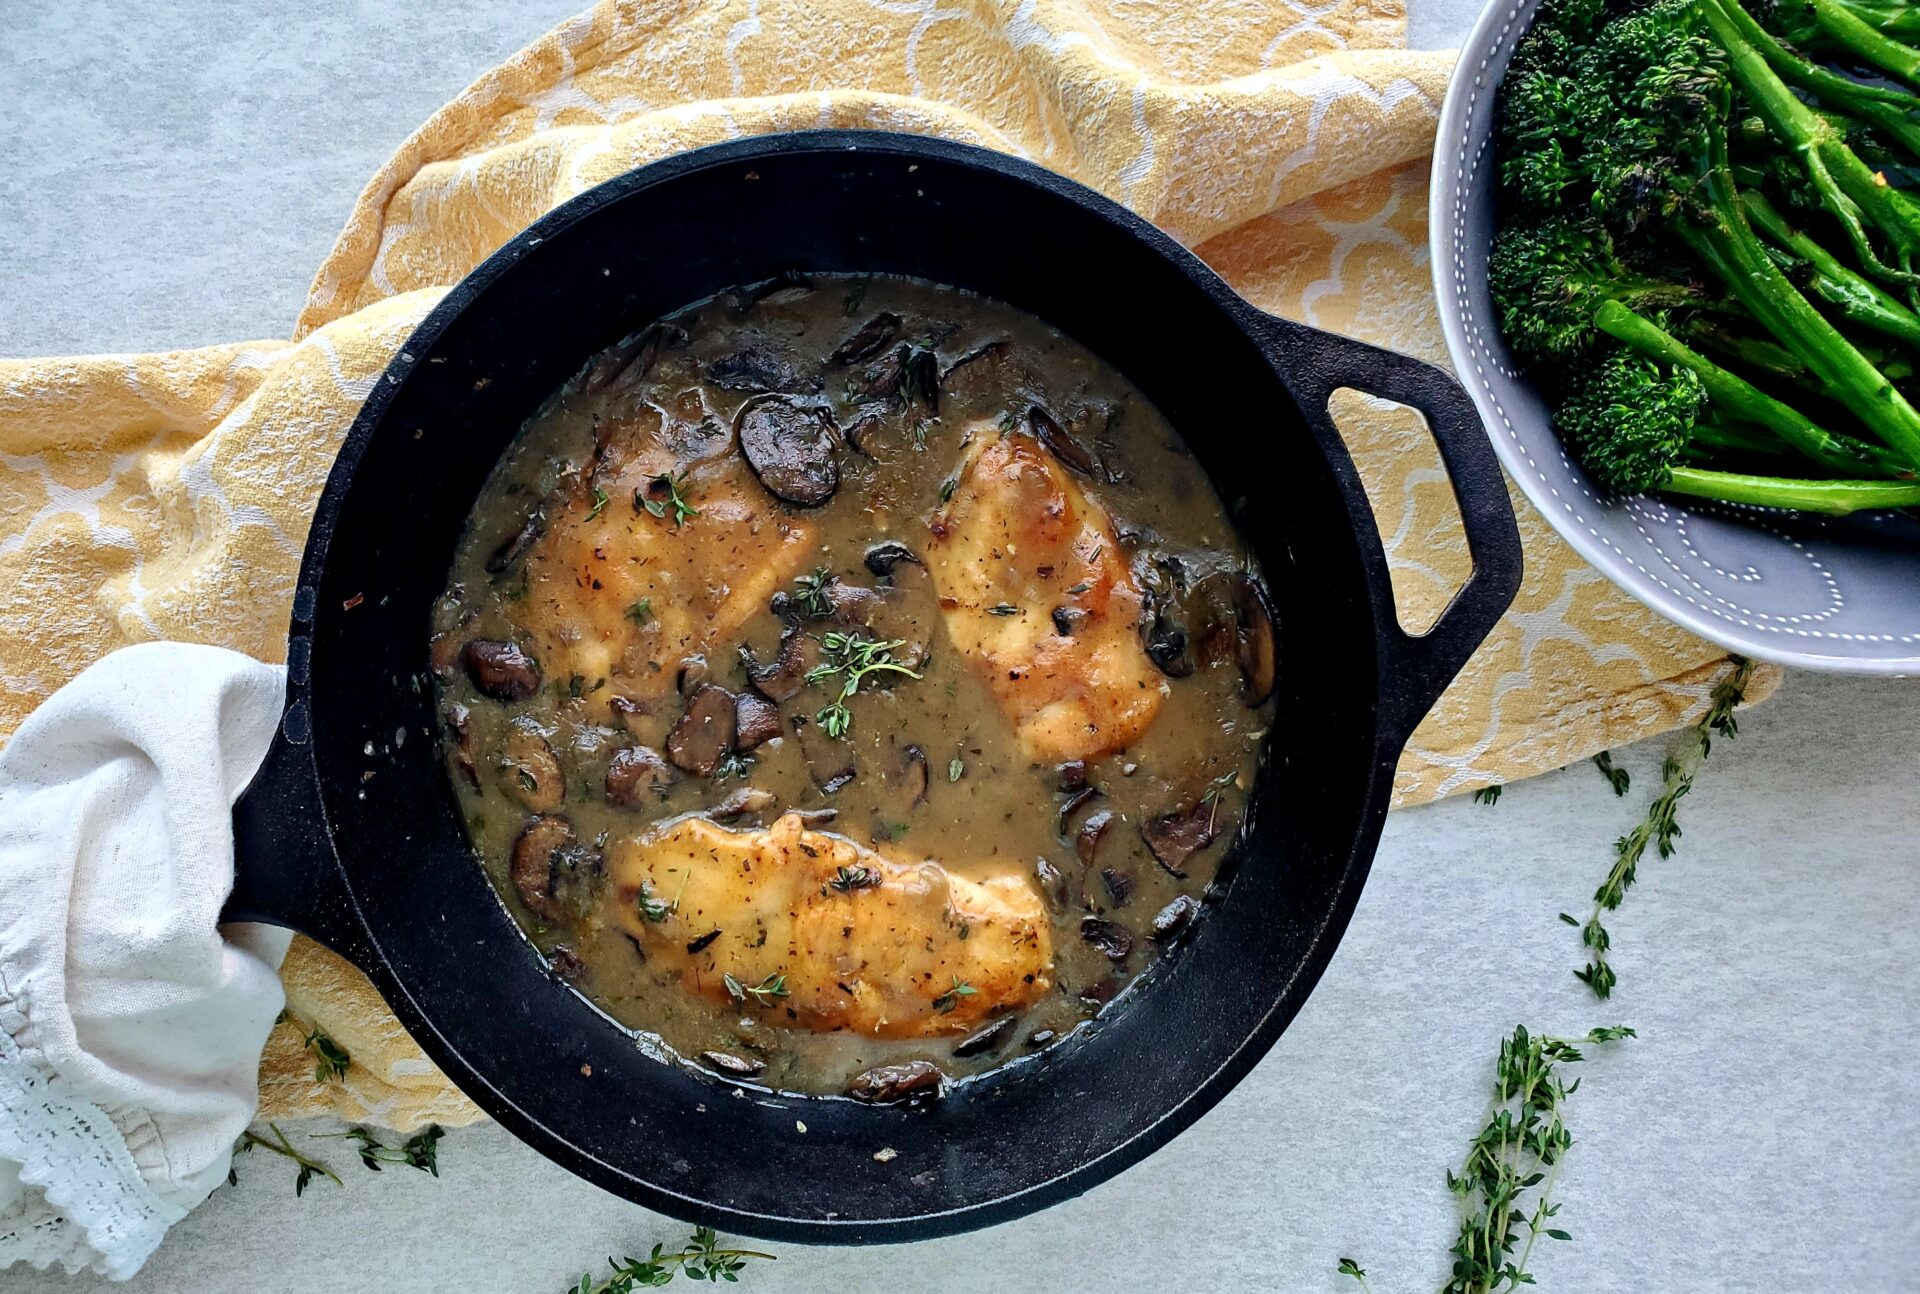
<point x="350" y="832"/>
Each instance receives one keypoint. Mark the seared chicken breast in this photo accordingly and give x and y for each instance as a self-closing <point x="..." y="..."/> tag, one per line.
<point x="620" y="592"/>
<point x="1038" y="598"/>
<point x="823" y="933"/>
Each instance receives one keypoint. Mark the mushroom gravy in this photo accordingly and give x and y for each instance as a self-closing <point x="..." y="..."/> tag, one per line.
<point x="851" y="683"/>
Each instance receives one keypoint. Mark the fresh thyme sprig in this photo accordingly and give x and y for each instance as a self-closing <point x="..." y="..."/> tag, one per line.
<point x="773" y="986"/>
<point x="1660" y="828"/>
<point x="1488" y="794"/>
<point x="1617" y="778"/>
<point x="1348" y="1267"/>
<point x="651" y="908"/>
<point x="330" y="1060"/>
<point x="421" y="1151"/>
<point x="702" y="1259"/>
<point x="854" y="658"/>
<point x="950" y="999"/>
<point x="1519" y="1150"/>
<point x="644" y="498"/>
<point x="810" y="592"/>
<point x="279" y="1145"/>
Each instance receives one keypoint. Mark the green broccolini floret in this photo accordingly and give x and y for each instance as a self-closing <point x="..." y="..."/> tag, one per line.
<point x="1627" y="236"/>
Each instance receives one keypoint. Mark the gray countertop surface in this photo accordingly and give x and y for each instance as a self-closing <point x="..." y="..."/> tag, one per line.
<point x="1759" y="1134"/>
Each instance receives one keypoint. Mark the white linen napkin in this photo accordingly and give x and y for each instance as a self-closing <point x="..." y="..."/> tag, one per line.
<point x="131" y="1024"/>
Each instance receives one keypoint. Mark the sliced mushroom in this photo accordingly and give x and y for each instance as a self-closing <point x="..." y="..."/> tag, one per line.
<point x="633" y="358"/>
<point x="913" y="776"/>
<point x="457" y="720"/>
<point x="1067" y="619"/>
<point x="515" y="545"/>
<point x="1163" y="637"/>
<point x="1119" y="885"/>
<point x="529" y="770"/>
<point x="991" y="1038"/>
<point x="909" y="373"/>
<point x="756" y="721"/>
<point x="1075" y="802"/>
<point x="629" y="713"/>
<point x="757" y="366"/>
<point x="1069" y="451"/>
<point x="725" y="1062"/>
<point x="704" y="735"/>
<point x="782" y="680"/>
<point x="1175" y="917"/>
<point x="976" y="373"/>
<point x="636" y="776"/>
<point x="741" y="801"/>
<point x="565" y="963"/>
<point x="872" y="337"/>
<point x="1109" y="938"/>
<point x="501" y="670"/>
<point x="1073" y="775"/>
<point x="831" y="764"/>
<point x="1176" y="837"/>
<point x="700" y="943"/>
<point x="884" y="556"/>
<point x="884" y="1084"/>
<point x="790" y="447"/>
<point x="536" y="860"/>
<point x="694" y="674"/>
<point x="790" y="285"/>
<point x="1231" y="621"/>
<point x="1087" y="843"/>
<point x="1053" y="886"/>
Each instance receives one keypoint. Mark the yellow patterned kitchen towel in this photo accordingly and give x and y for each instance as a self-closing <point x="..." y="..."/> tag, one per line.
<point x="168" y="496"/>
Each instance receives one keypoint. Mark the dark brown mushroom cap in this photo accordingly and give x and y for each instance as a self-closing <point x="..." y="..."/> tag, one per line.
<point x="1087" y="843"/>
<point x="725" y="1062"/>
<point x="704" y="734"/>
<point x="831" y="764"/>
<point x="790" y="447"/>
<point x="529" y="771"/>
<point x="1175" y="917"/>
<point x="458" y="717"/>
<point x="534" y="862"/>
<point x="782" y="680"/>
<point x="740" y="801"/>
<point x="991" y="1038"/>
<point x="759" y="366"/>
<point x="756" y="721"/>
<point x="515" y="545"/>
<point x="501" y="670"/>
<point x="636" y="775"/>
<point x="1176" y="837"/>
<point x="887" y="554"/>
<point x="887" y="1083"/>
<point x="872" y="337"/>
<point x="1071" y="453"/>
<point x="1109" y="938"/>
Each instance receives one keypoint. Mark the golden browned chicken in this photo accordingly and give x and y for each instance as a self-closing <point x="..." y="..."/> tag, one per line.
<point x="822" y="933"/>
<point x="1038" y="597"/>
<point x="621" y="591"/>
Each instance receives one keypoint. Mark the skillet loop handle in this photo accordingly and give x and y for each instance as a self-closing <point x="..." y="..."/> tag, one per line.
<point x="1416" y="668"/>
<point x="285" y="870"/>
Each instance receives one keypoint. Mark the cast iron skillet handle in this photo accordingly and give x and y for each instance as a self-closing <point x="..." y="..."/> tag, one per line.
<point x="1415" y="668"/>
<point x="285" y="871"/>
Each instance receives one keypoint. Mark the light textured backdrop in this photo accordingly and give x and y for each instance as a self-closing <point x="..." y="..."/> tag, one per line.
<point x="1752" y="1139"/>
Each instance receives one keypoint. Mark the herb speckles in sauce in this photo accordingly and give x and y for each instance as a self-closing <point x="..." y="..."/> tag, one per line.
<point x="852" y="682"/>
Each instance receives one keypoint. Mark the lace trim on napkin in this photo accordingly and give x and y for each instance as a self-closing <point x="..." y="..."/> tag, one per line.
<point x="86" y="1205"/>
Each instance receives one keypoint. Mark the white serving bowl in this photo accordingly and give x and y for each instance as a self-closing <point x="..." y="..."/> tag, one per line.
<point x="1834" y="594"/>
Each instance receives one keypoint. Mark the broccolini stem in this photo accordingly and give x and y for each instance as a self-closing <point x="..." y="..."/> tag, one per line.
<point x="1853" y="296"/>
<point x="1711" y="435"/>
<point x="1847" y="30"/>
<point x="1835" y="498"/>
<point x="1730" y="248"/>
<point x="1893" y="110"/>
<point x="1741" y="400"/>
<point x="1848" y="187"/>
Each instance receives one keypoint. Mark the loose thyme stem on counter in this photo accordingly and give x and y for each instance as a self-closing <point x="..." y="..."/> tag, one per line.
<point x="1661" y="827"/>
